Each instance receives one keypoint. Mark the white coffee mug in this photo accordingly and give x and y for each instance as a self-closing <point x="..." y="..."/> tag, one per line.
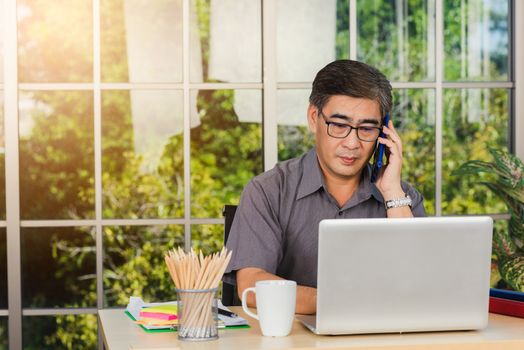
<point x="275" y="306"/>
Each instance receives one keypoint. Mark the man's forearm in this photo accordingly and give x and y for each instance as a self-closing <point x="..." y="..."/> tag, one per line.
<point x="306" y="296"/>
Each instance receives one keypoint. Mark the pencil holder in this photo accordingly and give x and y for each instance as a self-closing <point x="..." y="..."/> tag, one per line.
<point x="197" y="314"/>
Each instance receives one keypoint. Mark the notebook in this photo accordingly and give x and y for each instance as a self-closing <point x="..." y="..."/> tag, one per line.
<point x="402" y="275"/>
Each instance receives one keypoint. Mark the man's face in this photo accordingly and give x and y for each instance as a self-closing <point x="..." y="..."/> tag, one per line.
<point x="344" y="158"/>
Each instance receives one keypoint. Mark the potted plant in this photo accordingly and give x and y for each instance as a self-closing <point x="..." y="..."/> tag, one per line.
<point x="505" y="177"/>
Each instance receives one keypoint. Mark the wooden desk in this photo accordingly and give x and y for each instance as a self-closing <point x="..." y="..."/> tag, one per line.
<point x="503" y="332"/>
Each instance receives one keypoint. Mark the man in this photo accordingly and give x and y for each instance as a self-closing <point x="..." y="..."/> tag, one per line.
<point x="275" y="231"/>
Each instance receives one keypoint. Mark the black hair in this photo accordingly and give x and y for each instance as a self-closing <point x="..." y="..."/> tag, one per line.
<point x="351" y="78"/>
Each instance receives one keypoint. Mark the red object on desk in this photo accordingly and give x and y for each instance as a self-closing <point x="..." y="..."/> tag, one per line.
<point x="506" y="307"/>
<point x="157" y="315"/>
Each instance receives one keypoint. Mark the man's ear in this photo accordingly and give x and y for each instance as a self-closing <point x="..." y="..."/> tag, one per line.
<point x="312" y="116"/>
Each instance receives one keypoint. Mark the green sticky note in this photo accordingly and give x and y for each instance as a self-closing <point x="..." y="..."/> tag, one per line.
<point x="165" y="309"/>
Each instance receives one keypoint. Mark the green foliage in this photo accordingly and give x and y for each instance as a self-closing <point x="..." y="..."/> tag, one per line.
<point x="54" y="257"/>
<point x="413" y="120"/>
<point x="202" y="8"/>
<point x="342" y="39"/>
<point x="398" y="46"/>
<point x="206" y="238"/>
<point x="293" y="141"/>
<point x="457" y="32"/>
<point x="134" y="262"/>
<point x="467" y="134"/>
<point x="129" y="190"/>
<point x="504" y="176"/>
<point x="113" y="49"/>
<point x="42" y="332"/>
<point x="225" y="154"/>
<point x="56" y="159"/>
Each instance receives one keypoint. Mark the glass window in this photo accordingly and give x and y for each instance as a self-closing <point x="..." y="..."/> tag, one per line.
<point x="3" y="269"/>
<point x="226" y="41"/>
<point x="141" y="40"/>
<point x="142" y="154"/>
<point x="398" y="37"/>
<point x="207" y="238"/>
<point x="310" y="34"/>
<point x="134" y="262"/>
<point x="476" y="39"/>
<point x="226" y="148"/>
<point x="60" y="332"/>
<point x="55" y="40"/>
<point x="414" y="118"/>
<point x="294" y="137"/>
<point x="56" y="155"/>
<point x="474" y="119"/>
<point x="58" y="267"/>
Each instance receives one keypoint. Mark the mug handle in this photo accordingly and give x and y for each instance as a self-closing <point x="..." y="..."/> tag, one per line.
<point x="244" y="302"/>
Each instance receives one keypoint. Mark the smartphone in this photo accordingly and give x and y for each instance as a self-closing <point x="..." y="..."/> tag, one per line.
<point x="378" y="155"/>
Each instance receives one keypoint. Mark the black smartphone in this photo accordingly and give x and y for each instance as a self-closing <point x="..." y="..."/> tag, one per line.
<point x="378" y="155"/>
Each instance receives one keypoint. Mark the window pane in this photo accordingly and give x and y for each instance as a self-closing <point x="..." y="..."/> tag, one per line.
<point x="476" y="39"/>
<point x="294" y="137"/>
<point x="2" y="158"/>
<point x="310" y="34"/>
<point x="398" y="38"/>
<point x="55" y="41"/>
<point x="226" y="148"/>
<point x="56" y="155"/>
<point x="58" y="267"/>
<point x="226" y="41"/>
<point x="474" y="119"/>
<point x="4" y="330"/>
<point x="207" y="238"/>
<point x="142" y="154"/>
<point x="60" y="332"/>
<point x="141" y="40"/>
<point x="134" y="262"/>
<point x="414" y="118"/>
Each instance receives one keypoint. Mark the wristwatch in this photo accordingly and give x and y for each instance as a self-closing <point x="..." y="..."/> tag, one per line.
<point x="398" y="202"/>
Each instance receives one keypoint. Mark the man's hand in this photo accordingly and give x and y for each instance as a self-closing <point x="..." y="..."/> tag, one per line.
<point x="247" y="277"/>
<point x="388" y="180"/>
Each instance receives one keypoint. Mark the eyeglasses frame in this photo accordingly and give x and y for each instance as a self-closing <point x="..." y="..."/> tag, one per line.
<point x="350" y="128"/>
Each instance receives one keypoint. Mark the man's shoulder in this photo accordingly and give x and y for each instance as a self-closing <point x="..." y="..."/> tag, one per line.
<point x="287" y="171"/>
<point x="407" y="187"/>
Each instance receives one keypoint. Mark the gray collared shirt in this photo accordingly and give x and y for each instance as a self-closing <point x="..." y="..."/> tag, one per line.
<point x="276" y="223"/>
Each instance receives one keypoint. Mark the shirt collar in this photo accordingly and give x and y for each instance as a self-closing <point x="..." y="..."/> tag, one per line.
<point x="313" y="179"/>
<point x="367" y="188"/>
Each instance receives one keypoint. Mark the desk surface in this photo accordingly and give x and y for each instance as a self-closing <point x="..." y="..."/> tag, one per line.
<point x="503" y="332"/>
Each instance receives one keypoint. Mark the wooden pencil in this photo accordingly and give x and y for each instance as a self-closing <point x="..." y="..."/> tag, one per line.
<point x="193" y="271"/>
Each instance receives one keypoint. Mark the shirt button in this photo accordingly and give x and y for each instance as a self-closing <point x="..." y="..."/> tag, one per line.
<point x="340" y="213"/>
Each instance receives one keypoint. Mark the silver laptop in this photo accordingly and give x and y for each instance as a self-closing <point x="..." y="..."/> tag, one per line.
<point x="402" y="275"/>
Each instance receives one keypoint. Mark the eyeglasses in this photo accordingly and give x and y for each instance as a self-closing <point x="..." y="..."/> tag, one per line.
<point x="340" y="131"/>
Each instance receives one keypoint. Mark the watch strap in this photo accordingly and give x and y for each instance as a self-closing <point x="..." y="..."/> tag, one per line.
<point x="398" y="202"/>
